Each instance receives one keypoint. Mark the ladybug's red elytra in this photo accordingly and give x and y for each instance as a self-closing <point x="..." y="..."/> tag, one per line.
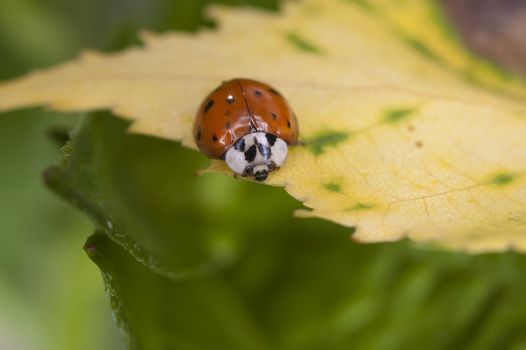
<point x="248" y="124"/>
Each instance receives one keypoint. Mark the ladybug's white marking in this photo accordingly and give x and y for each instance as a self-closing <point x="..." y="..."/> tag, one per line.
<point x="256" y="155"/>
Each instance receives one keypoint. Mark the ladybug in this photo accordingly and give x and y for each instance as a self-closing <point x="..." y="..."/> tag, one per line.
<point x="248" y="124"/>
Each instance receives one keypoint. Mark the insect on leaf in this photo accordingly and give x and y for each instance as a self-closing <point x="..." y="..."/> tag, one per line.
<point x="404" y="133"/>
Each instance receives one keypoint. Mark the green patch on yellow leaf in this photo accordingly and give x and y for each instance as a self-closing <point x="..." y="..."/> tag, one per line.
<point x="333" y="187"/>
<point x="353" y="77"/>
<point x="362" y="206"/>
<point x="364" y="4"/>
<point x="422" y="49"/>
<point x="318" y="143"/>
<point x="503" y="179"/>
<point x="398" y="114"/>
<point x="302" y="44"/>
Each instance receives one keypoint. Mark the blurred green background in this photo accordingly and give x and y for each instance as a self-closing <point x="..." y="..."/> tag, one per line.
<point x="258" y="278"/>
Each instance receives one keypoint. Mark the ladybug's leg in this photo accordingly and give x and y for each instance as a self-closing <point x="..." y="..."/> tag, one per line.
<point x="237" y="176"/>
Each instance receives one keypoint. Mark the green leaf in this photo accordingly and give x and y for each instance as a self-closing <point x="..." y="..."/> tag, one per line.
<point x="144" y="194"/>
<point x="317" y="293"/>
<point x="289" y="283"/>
<point x="157" y="313"/>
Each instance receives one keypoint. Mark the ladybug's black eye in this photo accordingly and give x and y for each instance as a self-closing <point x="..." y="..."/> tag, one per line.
<point x="240" y="145"/>
<point x="250" y="154"/>
<point x="271" y="139"/>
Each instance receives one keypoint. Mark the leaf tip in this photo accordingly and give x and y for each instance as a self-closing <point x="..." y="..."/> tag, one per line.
<point x="51" y="176"/>
<point x="93" y="246"/>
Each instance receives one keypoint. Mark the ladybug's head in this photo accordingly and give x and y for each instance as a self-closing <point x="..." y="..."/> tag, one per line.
<point x="256" y="155"/>
<point x="260" y="172"/>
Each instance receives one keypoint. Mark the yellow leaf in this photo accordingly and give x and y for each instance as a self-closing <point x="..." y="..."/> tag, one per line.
<point x="404" y="133"/>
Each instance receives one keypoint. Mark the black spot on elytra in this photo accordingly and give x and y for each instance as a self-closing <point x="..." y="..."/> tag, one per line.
<point x="274" y="116"/>
<point x="227" y="125"/>
<point x="271" y="139"/>
<point x="198" y="134"/>
<point x="258" y="93"/>
<point x="288" y="124"/>
<point x="214" y="138"/>
<point x="275" y="92"/>
<point x="209" y="105"/>
<point x="250" y="154"/>
<point x="264" y="150"/>
<point x="240" y="145"/>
